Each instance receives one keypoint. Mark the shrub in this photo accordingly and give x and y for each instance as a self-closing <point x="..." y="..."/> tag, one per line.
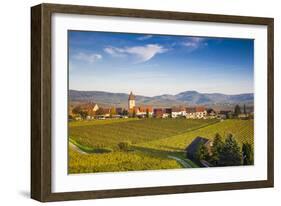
<point x="248" y="154"/>
<point x="124" y="146"/>
<point x="201" y="152"/>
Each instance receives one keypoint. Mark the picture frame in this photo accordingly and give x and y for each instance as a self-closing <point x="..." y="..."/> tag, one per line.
<point x="41" y="101"/>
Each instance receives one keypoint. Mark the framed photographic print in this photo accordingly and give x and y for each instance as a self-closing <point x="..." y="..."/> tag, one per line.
<point x="132" y="102"/>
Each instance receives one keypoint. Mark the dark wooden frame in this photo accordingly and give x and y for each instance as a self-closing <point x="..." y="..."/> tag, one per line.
<point x="41" y="101"/>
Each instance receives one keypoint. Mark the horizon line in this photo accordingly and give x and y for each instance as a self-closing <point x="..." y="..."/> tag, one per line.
<point x="159" y="94"/>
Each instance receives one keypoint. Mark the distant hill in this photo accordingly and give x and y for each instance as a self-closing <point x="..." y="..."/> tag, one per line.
<point x="183" y="98"/>
<point x="193" y="97"/>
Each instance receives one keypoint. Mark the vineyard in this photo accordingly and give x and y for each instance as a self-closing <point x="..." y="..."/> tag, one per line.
<point x="104" y="133"/>
<point x="147" y="144"/>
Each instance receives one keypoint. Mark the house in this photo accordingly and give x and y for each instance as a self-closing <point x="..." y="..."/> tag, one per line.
<point x="190" y="112"/>
<point x="143" y="110"/>
<point x="211" y="114"/>
<point x="90" y="108"/>
<point x="119" y="110"/>
<point x="224" y="114"/>
<point x="178" y="112"/>
<point x="158" y="112"/>
<point x="167" y="112"/>
<point x="106" y="112"/>
<point x="195" y="112"/>
<point x="200" y="112"/>
<point x="192" y="148"/>
<point x="243" y="116"/>
<point x="78" y="118"/>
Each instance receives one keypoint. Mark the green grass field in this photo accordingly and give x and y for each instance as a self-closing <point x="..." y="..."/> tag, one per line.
<point x="153" y="143"/>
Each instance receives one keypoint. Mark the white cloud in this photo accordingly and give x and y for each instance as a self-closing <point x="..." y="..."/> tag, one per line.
<point x="145" y="37"/>
<point x="194" y="43"/>
<point x="116" y="52"/>
<point x="90" y="58"/>
<point x="141" y="53"/>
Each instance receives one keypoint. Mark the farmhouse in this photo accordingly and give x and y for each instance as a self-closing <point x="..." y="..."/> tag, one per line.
<point x="158" y="112"/>
<point x="178" y="112"/>
<point x="167" y="112"/>
<point x="190" y="113"/>
<point x="119" y="110"/>
<point x="106" y="112"/>
<point x="86" y="110"/>
<point x="90" y="108"/>
<point x="211" y="114"/>
<point x="223" y="114"/>
<point x="143" y="110"/>
<point x="243" y="116"/>
<point x="192" y="149"/>
<point x="195" y="113"/>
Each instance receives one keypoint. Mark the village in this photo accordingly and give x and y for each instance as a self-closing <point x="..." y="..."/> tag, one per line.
<point x="90" y="111"/>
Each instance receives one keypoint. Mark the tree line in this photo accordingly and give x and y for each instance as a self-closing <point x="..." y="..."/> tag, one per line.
<point x="226" y="153"/>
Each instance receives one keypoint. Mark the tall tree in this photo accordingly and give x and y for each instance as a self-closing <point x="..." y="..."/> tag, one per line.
<point x="230" y="154"/>
<point x="216" y="149"/>
<point x="147" y="113"/>
<point x="134" y="113"/>
<point x="124" y="112"/>
<point x="245" y="112"/>
<point x="77" y="110"/>
<point x="248" y="154"/>
<point x="112" y="111"/>
<point x="237" y="110"/>
<point x="83" y="114"/>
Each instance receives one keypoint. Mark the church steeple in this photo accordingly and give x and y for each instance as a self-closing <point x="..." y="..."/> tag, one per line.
<point x="131" y="96"/>
<point x="131" y="101"/>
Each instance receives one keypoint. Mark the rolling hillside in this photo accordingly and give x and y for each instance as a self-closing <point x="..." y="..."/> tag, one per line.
<point x="183" y="98"/>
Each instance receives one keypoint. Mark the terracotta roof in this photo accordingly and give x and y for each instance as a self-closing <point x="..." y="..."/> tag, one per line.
<point x="145" y="108"/>
<point x="158" y="110"/>
<point x="200" y="109"/>
<point x="132" y="96"/>
<point x="190" y="109"/>
<point x="106" y="110"/>
<point x="178" y="109"/>
<point x="88" y="106"/>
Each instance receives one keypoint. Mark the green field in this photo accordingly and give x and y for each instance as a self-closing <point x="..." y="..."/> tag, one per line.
<point x="151" y="143"/>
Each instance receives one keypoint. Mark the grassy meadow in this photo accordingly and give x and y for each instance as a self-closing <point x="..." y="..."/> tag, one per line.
<point x="143" y="144"/>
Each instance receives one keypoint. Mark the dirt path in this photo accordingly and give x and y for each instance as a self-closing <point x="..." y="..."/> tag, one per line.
<point x="73" y="146"/>
<point x="182" y="162"/>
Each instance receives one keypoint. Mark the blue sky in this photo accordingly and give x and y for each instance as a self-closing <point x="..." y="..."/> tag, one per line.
<point x="159" y="64"/>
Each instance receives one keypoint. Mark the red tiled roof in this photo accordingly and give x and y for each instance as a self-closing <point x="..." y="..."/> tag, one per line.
<point x="194" y="109"/>
<point x="190" y="109"/>
<point x="145" y="108"/>
<point x="178" y="109"/>
<point x="200" y="109"/>
<point x="158" y="112"/>
<point x="106" y="110"/>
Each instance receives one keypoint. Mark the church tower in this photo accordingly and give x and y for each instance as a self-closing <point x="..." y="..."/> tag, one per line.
<point x="131" y="101"/>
